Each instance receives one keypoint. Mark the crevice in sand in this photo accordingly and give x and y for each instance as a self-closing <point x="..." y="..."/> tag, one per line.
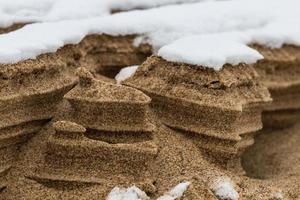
<point x="20" y="133"/>
<point x="107" y="55"/>
<point x="198" y="103"/>
<point x="72" y="157"/>
<point x="225" y="153"/>
<point x="121" y="137"/>
<point x="62" y="184"/>
<point x="199" y="108"/>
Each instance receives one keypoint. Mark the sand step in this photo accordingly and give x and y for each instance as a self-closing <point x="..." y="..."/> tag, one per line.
<point x="71" y="156"/>
<point x="20" y="133"/>
<point x="222" y="104"/>
<point x="36" y="107"/>
<point x="32" y="89"/>
<point x="207" y="121"/>
<point x="106" y="133"/>
<point x="108" y="107"/>
<point x="219" y="110"/>
<point x="285" y="98"/>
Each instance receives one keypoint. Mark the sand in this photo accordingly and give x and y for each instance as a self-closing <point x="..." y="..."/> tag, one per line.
<point x="68" y="131"/>
<point x="11" y="28"/>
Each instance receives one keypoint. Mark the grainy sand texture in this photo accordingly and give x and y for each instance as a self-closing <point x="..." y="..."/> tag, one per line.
<point x="68" y="131"/>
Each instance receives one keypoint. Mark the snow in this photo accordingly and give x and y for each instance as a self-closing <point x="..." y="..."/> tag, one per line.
<point x="126" y="73"/>
<point x="25" y="11"/>
<point x="132" y="193"/>
<point x="223" y="188"/>
<point x="210" y="33"/>
<point x="176" y="192"/>
<point x="143" y="4"/>
<point x="218" y="51"/>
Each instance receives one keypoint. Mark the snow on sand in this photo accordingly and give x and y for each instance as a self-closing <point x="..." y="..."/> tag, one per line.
<point x="134" y="193"/>
<point x="223" y="189"/>
<point x="205" y="33"/>
<point x="24" y="11"/>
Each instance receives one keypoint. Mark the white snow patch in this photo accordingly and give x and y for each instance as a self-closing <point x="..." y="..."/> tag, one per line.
<point x="132" y="193"/>
<point x="223" y="188"/>
<point x="209" y="33"/>
<point x="176" y="192"/>
<point x="126" y="73"/>
<point x="218" y="51"/>
<point x="277" y="196"/>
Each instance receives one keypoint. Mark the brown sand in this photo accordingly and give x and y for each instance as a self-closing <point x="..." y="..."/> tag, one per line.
<point x="280" y="72"/>
<point x="107" y="54"/>
<point x="11" y="28"/>
<point x="279" y="165"/>
<point x="170" y="122"/>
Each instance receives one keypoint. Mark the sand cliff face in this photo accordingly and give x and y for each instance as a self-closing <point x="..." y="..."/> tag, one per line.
<point x="69" y="132"/>
<point x="209" y="105"/>
<point x="30" y="92"/>
<point x="279" y="71"/>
